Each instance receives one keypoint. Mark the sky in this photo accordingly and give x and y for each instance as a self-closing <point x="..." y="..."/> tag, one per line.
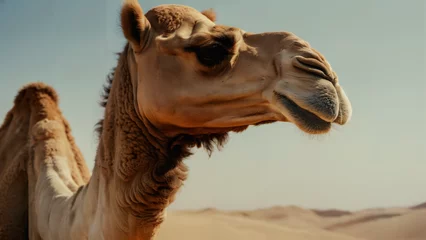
<point x="377" y="48"/>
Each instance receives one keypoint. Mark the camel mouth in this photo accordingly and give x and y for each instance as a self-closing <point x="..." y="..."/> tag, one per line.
<point x="304" y="119"/>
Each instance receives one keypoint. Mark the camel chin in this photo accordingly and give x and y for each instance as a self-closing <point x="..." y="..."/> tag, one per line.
<point x="315" y="113"/>
<point x="304" y="119"/>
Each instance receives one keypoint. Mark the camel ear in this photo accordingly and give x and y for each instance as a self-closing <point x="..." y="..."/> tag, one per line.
<point x="210" y="14"/>
<point x="134" y="24"/>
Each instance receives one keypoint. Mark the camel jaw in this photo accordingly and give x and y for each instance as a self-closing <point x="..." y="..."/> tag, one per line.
<point x="304" y="119"/>
<point x="318" y="112"/>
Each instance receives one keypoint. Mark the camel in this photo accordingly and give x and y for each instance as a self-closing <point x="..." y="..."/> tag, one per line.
<point x="181" y="81"/>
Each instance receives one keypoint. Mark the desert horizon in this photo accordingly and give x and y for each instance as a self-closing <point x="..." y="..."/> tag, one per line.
<point x="319" y="210"/>
<point x="294" y="222"/>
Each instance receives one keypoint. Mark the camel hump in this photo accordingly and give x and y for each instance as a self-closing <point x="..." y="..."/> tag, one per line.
<point x="32" y="92"/>
<point x="33" y="102"/>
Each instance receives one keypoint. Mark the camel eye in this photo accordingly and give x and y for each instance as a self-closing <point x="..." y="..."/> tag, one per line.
<point x="211" y="55"/>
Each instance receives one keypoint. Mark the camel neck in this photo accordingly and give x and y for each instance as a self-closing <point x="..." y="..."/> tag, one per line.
<point x="138" y="171"/>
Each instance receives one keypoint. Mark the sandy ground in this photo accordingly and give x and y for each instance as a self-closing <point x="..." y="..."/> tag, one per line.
<point x="278" y="223"/>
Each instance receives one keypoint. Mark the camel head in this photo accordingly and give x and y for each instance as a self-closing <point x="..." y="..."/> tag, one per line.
<point x="196" y="77"/>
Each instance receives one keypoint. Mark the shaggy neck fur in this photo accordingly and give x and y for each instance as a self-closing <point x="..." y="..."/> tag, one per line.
<point x="144" y="168"/>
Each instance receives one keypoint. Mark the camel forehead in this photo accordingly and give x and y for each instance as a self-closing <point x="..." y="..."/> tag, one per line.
<point x="170" y="17"/>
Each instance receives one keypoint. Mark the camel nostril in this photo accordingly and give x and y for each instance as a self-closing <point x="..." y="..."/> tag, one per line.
<point x="313" y="66"/>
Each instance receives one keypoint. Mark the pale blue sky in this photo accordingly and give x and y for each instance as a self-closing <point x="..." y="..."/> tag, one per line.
<point x="376" y="47"/>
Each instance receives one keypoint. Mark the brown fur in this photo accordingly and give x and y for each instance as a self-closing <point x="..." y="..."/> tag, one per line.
<point x="14" y="153"/>
<point x="145" y="165"/>
<point x="165" y="19"/>
<point x="13" y="175"/>
<point x="32" y="93"/>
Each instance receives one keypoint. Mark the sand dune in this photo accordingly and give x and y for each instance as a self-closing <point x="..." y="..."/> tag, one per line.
<point x="290" y="216"/>
<point x="218" y="226"/>
<point x="420" y="206"/>
<point x="292" y="222"/>
<point x="409" y="226"/>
